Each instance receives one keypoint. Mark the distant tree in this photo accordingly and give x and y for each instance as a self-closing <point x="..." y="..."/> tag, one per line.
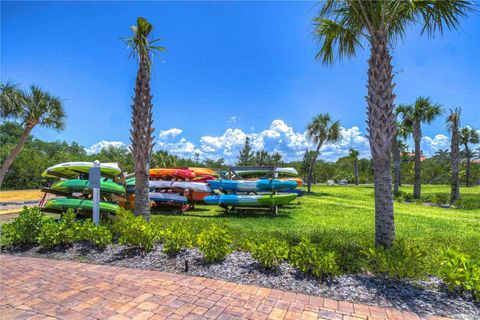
<point x="398" y="147"/>
<point x="262" y="158"/>
<point x="321" y="130"/>
<point x="33" y="108"/>
<point x="453" y="124"/>
<point x="142" y="129"/>
<point x="276" y="158"/>
<point x="306" y="162"/>
<point x="468" y="135"/>
<point x="246" y="156"/>
<point x="353" y="154"/>
<point x="163" y="159"/>
<point x="342" y="28"/>
<point x="423" y="111"/>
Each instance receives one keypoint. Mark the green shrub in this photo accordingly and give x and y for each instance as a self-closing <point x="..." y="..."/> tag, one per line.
<point x="309" y="258"/>
<point x="215" y="243"/>
<point x="459" y="271"/>
<point x="176" y="237"/>
<point x="269" y="253"/>
<point x="135" y="231"/>
<point x="58" y="233"/>
<point x="399" y="261"/>
<point x="468" y="204"/>
<point x="100" y="235"/>
<point x="24" y="229"/>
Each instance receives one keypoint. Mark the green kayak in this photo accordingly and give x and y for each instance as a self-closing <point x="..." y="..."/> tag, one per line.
<point x="63" y="204"/>
<point x="74" y="169"/>
<point x="77" y="185"/>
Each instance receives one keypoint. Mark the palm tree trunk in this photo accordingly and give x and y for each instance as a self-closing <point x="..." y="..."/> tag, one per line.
<point x="142" y="138"/>
<point x="355" y="169"/>
<point x="396" y="165"/>
<point x="381" y="131"/>
<point x="417" y="136"/>
<point x="15" y="152"/>
<point x="455" y="154"/>
<point x="467" y="173"/>
<point x="312" y="166"/>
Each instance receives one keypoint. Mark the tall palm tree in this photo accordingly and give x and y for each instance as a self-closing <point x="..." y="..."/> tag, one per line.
<point x="453" y="125"/>
<point x="352" y="153"/>
<point x="32" y="108"/>
<point x="320" y="130"/>
<point x="342" y="28"/>
<point x="143" y="48"/>
<point x="398" y="147"/>
<point x="413" y="116"/>
<point x="468" y="135"/>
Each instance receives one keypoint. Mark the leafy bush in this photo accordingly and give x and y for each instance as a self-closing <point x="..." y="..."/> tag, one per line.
<point x="399" y="261"/>
<point x="176" y="237"/>
<point x="58" y="233"/>
<point x="459" y="271"/>
<point x="468" y="204"/>
<point x="269" y="253"/>
<point x="310" y="259"/>
<point x="215" y="243"/>
<point x="100" y="235"/>
<point x="24" y="229"/>
<point x="135" y="230"/>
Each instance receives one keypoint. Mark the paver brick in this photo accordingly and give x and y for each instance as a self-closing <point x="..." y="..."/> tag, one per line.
<point x="33" y="288"/>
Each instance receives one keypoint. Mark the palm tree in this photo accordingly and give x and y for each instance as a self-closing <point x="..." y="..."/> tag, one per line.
<point x="32" y="108"/>
<point x="352" y="153"/>
<point x="453" y="125"/>
<point x="423" y="111"/>
<point x="468" y="135"/>
<point x="342" y="28"/>
<point x="141" y="132"/>
<point x="398" y="147"/>
<point x="321" y="129"/>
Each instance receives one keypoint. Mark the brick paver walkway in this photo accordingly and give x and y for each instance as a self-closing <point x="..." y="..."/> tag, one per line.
<point x="33" y="288"/>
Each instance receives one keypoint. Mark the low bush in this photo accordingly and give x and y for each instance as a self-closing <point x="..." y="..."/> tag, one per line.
<point x="100" y="235"/>
<point x="459" y="271"/>
<point x="215" y="243"/>
<point x="399" y="261"/>
<point x="309" y="258"/>
<point x="134" y="230"/>
<point x="175" y="238"/>
<point x="269" y="253"/>
<point x="468" y="203"/>
<point x="24" y="229"/>
<point x="60" y="232"/>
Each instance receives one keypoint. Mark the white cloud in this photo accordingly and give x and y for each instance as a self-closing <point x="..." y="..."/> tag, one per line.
<point x="169" y="134"/>
<point x="430" y="145"/>
<point x="97" y="147"/>
<point x="233" y="119"/>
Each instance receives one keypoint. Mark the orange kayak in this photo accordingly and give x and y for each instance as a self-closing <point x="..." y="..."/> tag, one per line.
<point x="172" y="172"/>
<point x="198" y="195"/>
<point x="199" y="171"/>
<point x="297" y="180"/>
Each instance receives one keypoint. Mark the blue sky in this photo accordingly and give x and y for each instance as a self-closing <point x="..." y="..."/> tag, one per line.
<point x="232" y="69"/>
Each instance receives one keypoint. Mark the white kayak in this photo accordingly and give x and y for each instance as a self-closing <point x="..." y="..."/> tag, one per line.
<point x="196" y="186"/>
<point x="167" y="197"/>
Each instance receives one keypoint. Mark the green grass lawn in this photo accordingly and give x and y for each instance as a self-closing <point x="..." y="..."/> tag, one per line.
<point x="342" y="219"/>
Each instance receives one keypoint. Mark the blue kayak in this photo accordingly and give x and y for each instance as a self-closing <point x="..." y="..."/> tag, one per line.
<point x="167" y="197"/>
<point x="252" y="185"/>
<point x="250" y="200"/>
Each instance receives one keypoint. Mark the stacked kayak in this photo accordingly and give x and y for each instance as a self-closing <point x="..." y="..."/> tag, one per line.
<point x="75" y="190"/>
<point x="252" y="185"/>
<point x="250" y="200"/>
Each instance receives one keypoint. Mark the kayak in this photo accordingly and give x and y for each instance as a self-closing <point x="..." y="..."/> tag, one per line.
<point x="262" y="171"/>
<point x="298" y="192"/>
<point x="250" y="200"/>
<point x="203" y="179"/>
<point x="167" y="197"/>
<point x="198" y="195"/>
<point x="74" y="169"/>
<point x="63" y="204"/>
<point x="199" y="171"/>
<point x="297" y="180"/>
<point x="252" y="185"/>
<point x="195" y="186"/>
<point x="172" y="173"/>
<point x="77" y="185"/>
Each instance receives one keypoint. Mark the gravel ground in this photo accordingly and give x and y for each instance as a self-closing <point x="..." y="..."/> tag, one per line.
<point x="423" y="297"/>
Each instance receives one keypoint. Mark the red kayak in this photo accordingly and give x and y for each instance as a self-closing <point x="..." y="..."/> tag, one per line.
<point x="172" y="173"/>
<point x="203" y="178"/>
